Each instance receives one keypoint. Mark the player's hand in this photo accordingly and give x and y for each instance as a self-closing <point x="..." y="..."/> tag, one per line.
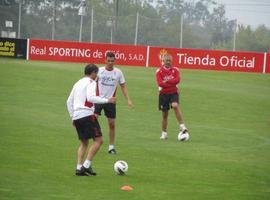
<point x="112" y="100"/>
<point x="130" y="104"/>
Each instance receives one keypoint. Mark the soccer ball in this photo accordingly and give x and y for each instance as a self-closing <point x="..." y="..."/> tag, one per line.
<point x="183" y="136"/>
<point x="120" y="167"/>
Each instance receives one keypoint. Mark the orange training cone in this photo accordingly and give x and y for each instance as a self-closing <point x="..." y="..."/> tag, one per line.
<point x="126" y="187"/>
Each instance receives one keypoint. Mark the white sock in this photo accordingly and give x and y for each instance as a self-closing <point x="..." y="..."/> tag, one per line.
<point x="87" y="163"/>
<point x="182" y="127"/>
<point x="79" y="166"/>
<point x="164" y="132"/>
<point x="111" y="146"/>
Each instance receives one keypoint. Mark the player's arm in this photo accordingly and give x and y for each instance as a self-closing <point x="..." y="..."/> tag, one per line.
<point x="92" y="97"/>
<point x="176" y="78"/>
<point x="122" y="83"/>
<point x="125" y="93"/>
<point x="160" y="81"/>
<point x="70" y="103"/>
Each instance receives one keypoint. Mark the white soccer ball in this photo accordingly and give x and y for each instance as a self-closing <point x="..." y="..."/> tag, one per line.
<point x="183" y="137"/>
<point x="120" y="167"/>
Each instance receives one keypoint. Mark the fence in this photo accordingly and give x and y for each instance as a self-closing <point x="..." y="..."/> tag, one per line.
<point x="61" y="22"/>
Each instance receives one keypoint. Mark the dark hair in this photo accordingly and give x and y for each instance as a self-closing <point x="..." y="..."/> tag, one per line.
<point x="90" y="68"/>
<point x="110" y="54"/>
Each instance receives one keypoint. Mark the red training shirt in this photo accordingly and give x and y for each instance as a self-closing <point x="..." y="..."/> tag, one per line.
<point x="167" y="80"/>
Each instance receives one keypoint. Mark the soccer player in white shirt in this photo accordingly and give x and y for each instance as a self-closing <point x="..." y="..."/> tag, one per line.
<point x="109" y="77"/>
<point x="80" y="105"/>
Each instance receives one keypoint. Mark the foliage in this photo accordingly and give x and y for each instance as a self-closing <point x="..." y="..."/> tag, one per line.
<point x="249" y="40"/>
<point x="205" y="24"/>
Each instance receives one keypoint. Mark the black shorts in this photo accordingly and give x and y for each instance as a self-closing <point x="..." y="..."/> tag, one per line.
<point x="88" y="127"/>
<point x="166" y="100"/>
<point x="109" y="109"/>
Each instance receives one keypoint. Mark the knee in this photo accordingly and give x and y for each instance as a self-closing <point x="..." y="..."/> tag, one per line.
<point x="100" y="141"/>
<point x="84" y="143"/>
<point x="111" y="125"/>
<point x="175" y="105"/>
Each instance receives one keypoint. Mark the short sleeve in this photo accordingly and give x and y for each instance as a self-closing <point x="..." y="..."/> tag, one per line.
<point x="121" y="78"/>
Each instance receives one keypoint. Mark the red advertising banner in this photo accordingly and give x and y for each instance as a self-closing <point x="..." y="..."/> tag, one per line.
<point x="148" y="56"/>
<point x="267" y="70"/>
<point x="86" y="52"/>
<point x="209" y="59"/>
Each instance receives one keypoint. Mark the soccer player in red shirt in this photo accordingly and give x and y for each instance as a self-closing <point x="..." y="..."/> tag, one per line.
<point x="168" y="77"/>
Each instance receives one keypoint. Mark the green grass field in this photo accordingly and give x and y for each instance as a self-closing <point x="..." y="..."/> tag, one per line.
<point x="228" y="116"/>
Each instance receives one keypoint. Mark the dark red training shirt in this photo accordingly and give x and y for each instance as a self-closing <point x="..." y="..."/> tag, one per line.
<point x="167" y="79"/>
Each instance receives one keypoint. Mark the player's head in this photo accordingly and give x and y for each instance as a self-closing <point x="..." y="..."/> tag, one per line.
<point x="91" y="70"/>
<point x="166" y="60"/>
<point x="110" y="58"/>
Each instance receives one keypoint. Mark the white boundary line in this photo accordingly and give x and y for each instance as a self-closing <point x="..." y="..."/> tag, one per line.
<point x="27" y="50"/>
<point x="264" y="62"/>
<point x="147" y="56"/>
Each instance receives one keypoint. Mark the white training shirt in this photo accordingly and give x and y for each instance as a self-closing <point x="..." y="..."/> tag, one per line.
<point x="80" y="102"/>
<point x="108" y="81"/>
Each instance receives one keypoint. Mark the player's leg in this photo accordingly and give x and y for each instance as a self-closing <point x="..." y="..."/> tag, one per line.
<point x="92" y="130"/>
<point x="80" y="156"/>
<point x="163" y="105"/>
<point x="80" y="126"/>
<point x="174" y="101"/>
<point x="87" y="165"/>
<point x="111" y="123"/>
<point x="98" y="141"/>
<point x="164" y="125"/>
<point x="183" y="134"/>
<point x="81" y="152"/>
<point x="110" y="112"/>
<point x="178" y="113"/>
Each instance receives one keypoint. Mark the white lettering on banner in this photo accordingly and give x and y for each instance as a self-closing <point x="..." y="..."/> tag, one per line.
<point x="135" y="57"/>
<point x="37" y="51"/>
<point x="54" y="51"/>
<point x="205" y="61"/>
<point x="118" y="55"/>
<point x="235" y="62"/>
<point x="97" y="54"/>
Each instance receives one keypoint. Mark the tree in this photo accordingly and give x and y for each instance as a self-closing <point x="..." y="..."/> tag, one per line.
<point x="7" y="2"/>
<point x="205" y="24"/>
<point x="262" y="37"/>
